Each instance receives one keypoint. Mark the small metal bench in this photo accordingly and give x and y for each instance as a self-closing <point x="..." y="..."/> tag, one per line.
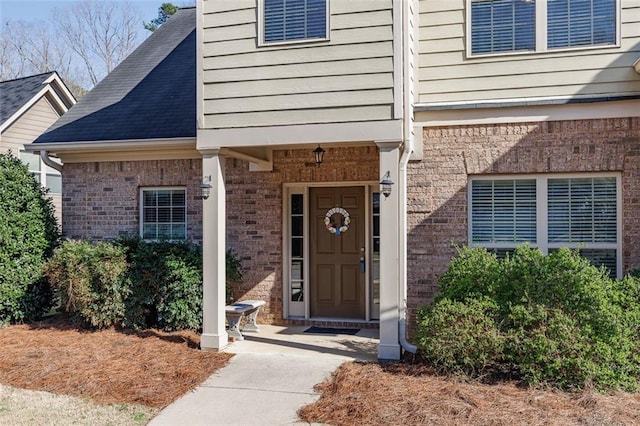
<point x="236" y="310"/>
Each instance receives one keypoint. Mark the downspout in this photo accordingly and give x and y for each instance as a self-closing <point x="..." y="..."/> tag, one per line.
<point x="408" y="146"/>
<point x="44" y="155"/>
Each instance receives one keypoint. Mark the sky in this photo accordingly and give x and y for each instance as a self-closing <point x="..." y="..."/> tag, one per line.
<point x="39" y="10"/>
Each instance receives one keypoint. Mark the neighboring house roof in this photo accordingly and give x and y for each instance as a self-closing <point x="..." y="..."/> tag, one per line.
<point x="17" y="96"/>
<point x="150" y="95"/>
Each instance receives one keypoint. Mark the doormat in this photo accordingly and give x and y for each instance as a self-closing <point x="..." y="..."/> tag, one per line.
<point x="330" y="330"/>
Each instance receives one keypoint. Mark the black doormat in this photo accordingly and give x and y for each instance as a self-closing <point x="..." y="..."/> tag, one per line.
<point x="330" y="330"/>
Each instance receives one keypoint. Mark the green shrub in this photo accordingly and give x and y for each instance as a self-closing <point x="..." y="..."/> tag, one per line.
<point x="233" y="273"/>
<point x="28" y="235"/>
<point x="560" y="320"/>
<point x="460" y="337"/>
<point x="166" y="280"/>
<point x="90" y="281"/>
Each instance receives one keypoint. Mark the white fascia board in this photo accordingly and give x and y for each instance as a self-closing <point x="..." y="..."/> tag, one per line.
<point x="112" y="145"/>
<point x="272" y="136"/>
<point x="537" y="113"/>
<point x="63" y="87"/>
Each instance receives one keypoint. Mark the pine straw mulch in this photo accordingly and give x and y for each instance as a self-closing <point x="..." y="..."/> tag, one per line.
<point x="151" y="367"/>
<point x="401" y="394"/>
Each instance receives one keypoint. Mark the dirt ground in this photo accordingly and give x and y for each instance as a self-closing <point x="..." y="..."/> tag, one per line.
<point x="149" y="368"/>
<point x="394" y="394"/>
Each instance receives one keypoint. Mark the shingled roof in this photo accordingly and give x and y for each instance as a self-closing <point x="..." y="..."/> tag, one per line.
<point x="15" y="94"/>
<point x="150" y="95"/>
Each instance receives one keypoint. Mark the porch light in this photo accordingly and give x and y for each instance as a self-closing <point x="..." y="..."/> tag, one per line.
<point x="386" y="184"/>
<point x="205" y="187"/>
<point x="319" y="153"/>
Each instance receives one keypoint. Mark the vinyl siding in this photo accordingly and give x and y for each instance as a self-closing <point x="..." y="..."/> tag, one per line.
<point x="29" y="126"/>
<point x="348" y="78"/>
<point x="447" y="75"/>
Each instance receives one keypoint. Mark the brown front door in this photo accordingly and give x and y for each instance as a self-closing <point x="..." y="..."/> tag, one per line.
<point x="337" y="280"/>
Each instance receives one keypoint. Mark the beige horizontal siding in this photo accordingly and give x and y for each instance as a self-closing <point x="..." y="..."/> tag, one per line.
<point x="297" y="101"/>
<point x="298" y="55"/>
<point x="336" y="80"/>
<point x="307" y="69"/>
<point x="299" y="116"/>
<point x="31" y="124"/>
<point x="325" y="84"/>
<point x="445" y="74"/>
<point x="349" y="36"/>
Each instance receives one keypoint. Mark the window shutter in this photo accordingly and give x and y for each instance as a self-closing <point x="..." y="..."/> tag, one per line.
<point x="581" y="22"/>
<point x="294" y="20"/>
<point x="502" y="26"/>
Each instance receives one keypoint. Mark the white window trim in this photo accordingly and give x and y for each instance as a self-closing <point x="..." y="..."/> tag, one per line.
<point x="542" y="209"/>
<point x="262" y="43"/>
<point x="44" y="171"/>
<point x="141" y="209"/>
<point x="541" y="34"/>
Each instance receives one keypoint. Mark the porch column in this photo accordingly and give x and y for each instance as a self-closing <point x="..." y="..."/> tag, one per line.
<point x="389" y="251"/>
<point x="214" y="335"/>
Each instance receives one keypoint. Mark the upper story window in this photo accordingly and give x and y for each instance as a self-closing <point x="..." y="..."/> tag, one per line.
<point x="503" y="26"/>
<point x="294" y="20"/>
<point x="581" y="23"/>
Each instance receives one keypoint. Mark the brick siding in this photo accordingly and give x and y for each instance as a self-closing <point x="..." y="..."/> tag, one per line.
<point x="254" y="212"/>
<point x="437" y="193"/>
<point x="101" y="200"/>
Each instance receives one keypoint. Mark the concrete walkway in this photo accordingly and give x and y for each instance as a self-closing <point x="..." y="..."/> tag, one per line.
<point x="270" y="377"/>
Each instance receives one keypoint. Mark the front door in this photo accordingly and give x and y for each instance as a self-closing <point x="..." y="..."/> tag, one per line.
<point x="337" y="252"/>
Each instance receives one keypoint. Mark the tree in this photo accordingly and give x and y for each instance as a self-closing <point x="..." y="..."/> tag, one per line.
<point x="164" y="12"/>
<point x="100" y="33"/>
<point x="28" y="235"/>
<point x="28" y="48"/>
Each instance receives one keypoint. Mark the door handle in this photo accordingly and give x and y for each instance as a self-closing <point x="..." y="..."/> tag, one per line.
<point x="362" y="265"/>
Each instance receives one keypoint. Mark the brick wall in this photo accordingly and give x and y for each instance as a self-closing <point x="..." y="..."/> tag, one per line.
<point x="101" y="201"/>
<point x="254" y="212"/>
<point x="437" y="193"/>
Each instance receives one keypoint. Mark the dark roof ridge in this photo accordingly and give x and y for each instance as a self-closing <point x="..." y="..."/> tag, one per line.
<point x="29" y="76"/>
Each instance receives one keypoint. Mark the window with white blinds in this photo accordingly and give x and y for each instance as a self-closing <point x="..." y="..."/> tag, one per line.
<point x="581" y="23"/>
<point x="164" y="214"/>
<point x="503" y="26"/>
<point x="503" y="211"/>
<point x="548" y="212"/>
<point x="294" y="20"/>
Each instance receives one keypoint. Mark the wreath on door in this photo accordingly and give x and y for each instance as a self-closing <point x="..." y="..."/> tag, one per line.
<point x="337" y="230"/>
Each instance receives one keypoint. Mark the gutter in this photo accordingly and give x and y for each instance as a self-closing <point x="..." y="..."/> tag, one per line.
<point x="408" y="147"/>
<point x="44" y="155"/>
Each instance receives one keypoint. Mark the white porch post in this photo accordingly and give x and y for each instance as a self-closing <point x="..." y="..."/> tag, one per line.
<point x="214" y="335"/>
<point x="389" y="251"/>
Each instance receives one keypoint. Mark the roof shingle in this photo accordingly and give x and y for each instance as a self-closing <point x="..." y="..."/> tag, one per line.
<point x="151" y="94"/>
<point x="14" y="94"/>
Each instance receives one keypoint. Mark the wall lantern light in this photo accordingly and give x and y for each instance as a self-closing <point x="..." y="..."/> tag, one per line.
<point x="205" y="187"/>
<point x="319" y="153"/>
<point x="386" y="184"/>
